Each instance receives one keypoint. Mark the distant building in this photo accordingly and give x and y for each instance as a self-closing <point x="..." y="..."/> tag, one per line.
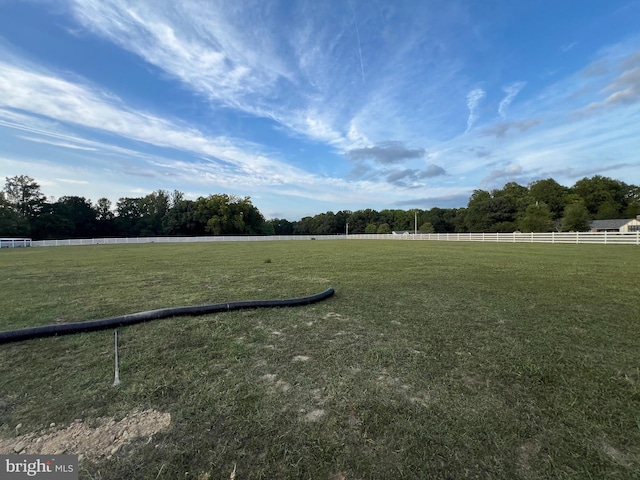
<point x="401" y="232"/>
<point x="623" y="225"/>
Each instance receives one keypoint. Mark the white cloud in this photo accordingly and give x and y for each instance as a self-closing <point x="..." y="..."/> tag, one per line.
<point x="511" y="91"/>
<point x="49" y="96"/>
<point x="473" y="100"/>
<point x="228" y="164"/>
<point x="224" y="51"/>
<point x="69" y="180"/>
<point x="57" y="144"/>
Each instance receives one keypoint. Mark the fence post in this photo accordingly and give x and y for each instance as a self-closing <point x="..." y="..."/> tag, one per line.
<point x="605" y="237"/>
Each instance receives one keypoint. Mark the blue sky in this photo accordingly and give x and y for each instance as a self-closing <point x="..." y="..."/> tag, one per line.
<point x="311" y="106"/>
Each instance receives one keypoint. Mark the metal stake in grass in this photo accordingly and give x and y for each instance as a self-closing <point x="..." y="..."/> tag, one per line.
<point x="116" y="380"/>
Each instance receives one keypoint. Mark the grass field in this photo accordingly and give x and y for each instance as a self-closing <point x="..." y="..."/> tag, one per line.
<point x="433" y="360"/>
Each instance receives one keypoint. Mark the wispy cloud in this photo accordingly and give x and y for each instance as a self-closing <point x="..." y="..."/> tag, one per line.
<point x="511" y="91"/>
<point x="69" y="180"/>
<point x="434" y="171"/>
<point x="56" y="98"/>
<point x="473" y="100"/>
<point x="57" y="144"/>
<point x="512" y="173"/>
<point x="442" y="197"/>
<point x="72" y="105"/>
<point x="225" y="53"/>
<point x="410" y="177"/>
<point x="355" y="22"/>
<point x="501" y="129"/>
<point x="623" y="87"/>
<point x="386" y="152"/>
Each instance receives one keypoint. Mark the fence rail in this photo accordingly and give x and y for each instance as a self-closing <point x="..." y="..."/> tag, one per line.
<point x="15" y="242"/>
<point x="602" y="238"/>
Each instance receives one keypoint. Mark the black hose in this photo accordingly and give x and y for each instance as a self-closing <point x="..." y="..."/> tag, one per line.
<point x="92" y="325"/>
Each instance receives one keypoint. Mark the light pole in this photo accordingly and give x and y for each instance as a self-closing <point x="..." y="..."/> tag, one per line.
<point x="347" y="230"/>
<point x="415" y="219"/>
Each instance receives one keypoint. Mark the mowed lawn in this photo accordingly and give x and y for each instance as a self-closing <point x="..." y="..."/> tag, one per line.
<point x="433" y="360"/>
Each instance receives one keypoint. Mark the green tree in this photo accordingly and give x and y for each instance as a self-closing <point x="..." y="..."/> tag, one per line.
<point x="154" y="209"/>
<point x="303" y="226"/>
<point x="371" y="228"/>
<point x="426" y="227"/>
<point x="128" y="216"/>
<point x="478" y="212"/>
<point x="633" y="202"/>
<point x="105" y="217"/>
<point x="268" y="229"/>
<point x="281" y="226"/>
<point x="69" y="217"/>
<point x="550" y="193"/>
<point x="326" y="224"/>
<point x="81" y="215"/>
<point x="54" y="221"/>
<point x="103" y="210"/>
<point x="24" y="193"/>
<point x="213" y="211"/>
<point x="456" y="218"/>
<point x="12" y="224"/>
<point x="359" y="220"/>
<point x="384" y="228"/>
<point x="598" y="191"/>
<point x="224" y="214"/>
<point x="181" y="219"/>
<point x="441" y="219"/>
<point x="576" y="218"/>
<point x="252" y="219"/>
<point x="537" y="218"/>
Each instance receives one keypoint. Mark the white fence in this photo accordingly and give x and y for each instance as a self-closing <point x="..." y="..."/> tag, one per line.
<point x="603" y="238"/>
<point x="15" y="242"/>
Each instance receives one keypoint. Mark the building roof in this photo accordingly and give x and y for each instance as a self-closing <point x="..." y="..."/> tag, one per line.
<point x="610" y="224"/>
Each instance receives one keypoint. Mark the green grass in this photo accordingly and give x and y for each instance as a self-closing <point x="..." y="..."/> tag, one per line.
<point x="433" y="359"/>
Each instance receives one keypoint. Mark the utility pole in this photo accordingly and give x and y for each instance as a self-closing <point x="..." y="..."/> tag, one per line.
<point x="347" y="229"/>
<point x="415" y="222"/>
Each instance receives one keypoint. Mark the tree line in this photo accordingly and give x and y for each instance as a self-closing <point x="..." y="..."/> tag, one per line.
<point x="25" y="211"/>
<point x="542" y="206"/>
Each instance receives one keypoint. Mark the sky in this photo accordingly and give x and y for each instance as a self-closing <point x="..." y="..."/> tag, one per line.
<point x="309" y="106"/>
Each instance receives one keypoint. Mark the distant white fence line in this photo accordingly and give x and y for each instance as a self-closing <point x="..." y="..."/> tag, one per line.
<point x="14" y="242"/>
<point x="603" y="238"/>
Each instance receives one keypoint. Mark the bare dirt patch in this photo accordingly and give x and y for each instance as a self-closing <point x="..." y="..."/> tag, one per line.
<point x="313" y="416"/>
<point x="101" y="439"/>
<point x="283" y="386"/>
<point x="473" y="381"/>
<point x="528" y="451"/>
<point x="627" y="458"/>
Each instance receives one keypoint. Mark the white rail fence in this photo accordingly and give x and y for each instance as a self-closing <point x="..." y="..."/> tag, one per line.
<point x="602" y="238"/>
<point x="15" y="242"/>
